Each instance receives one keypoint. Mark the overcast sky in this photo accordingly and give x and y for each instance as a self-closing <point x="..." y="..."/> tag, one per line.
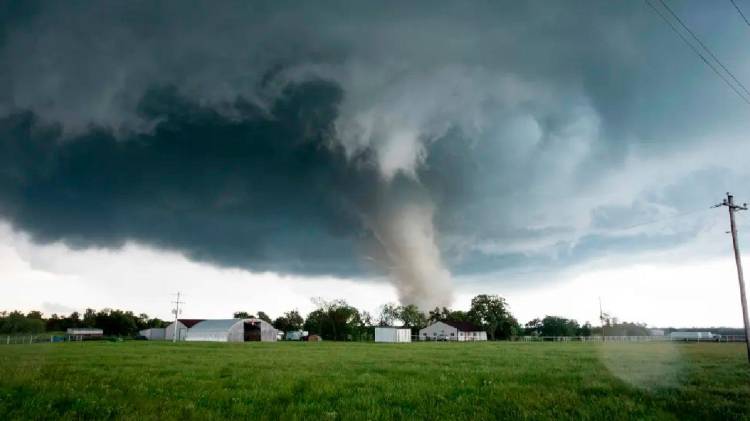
<point x="258" y="154"/>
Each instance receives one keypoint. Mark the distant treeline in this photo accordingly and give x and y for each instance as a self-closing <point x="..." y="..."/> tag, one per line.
<point x="112" y="322"/>
<point x="338" y="320"/>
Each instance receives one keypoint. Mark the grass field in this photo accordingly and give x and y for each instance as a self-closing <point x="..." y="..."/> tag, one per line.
<point x="152" y="380"/>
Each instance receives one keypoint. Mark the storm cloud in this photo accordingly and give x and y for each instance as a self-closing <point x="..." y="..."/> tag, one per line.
<point x="417" y="140"/>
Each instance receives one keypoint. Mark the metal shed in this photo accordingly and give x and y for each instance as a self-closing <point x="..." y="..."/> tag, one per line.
<point x="232" y="330"/>
<point x="392" y="334"/>
<point x="154" y="333"/>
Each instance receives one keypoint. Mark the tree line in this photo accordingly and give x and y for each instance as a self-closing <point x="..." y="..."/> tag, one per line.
<point x="112" y="322"/>
<point x="337" y="320"/>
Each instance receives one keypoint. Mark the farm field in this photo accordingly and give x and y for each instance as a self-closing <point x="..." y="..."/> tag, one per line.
<point x="327" y="380"/>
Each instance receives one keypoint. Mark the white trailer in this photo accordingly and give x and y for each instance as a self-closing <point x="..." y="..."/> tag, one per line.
<point x="392" y="334"/>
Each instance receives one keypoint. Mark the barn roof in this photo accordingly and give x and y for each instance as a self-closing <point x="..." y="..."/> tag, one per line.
<point x="218" y="324"/>
<point x="463" y="326"/>
<point x="189" y="322"/>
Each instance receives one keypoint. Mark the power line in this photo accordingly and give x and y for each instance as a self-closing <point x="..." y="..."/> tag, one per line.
<point x="708" y="50"/>
<point x="696" y="51"/>
<point x="740" y="12"/>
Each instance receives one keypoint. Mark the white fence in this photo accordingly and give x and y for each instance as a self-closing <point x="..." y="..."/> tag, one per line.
<point x="38" y="339"/>
<point x="722" y="338"/>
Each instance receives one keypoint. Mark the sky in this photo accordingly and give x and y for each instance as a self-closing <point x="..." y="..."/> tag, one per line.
<point x="254" y="155"/>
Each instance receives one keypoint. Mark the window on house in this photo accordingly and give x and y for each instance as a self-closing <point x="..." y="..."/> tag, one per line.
<point x="453" y="334"/>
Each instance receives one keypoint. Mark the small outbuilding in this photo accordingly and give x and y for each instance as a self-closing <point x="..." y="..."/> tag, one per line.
<point x="449" y="330"/>
<point x="392" y="334"/>
<point x="154" y="333"/>
<point x="232" y="330"/>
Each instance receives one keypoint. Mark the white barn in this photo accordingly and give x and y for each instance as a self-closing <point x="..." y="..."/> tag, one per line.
<point x="392" y="334"/>
<point x="232" y="330"/>
<point x="448" y="330"/>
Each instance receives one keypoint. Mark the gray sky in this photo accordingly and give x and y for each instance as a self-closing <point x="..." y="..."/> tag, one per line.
<point x="548" y="152"/>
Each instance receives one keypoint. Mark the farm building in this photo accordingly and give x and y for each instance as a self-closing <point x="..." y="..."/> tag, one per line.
<point x="392" y="334"/>
<point x="232" y="330"/>
<point x="154" y="333"/>
<point x="182" y="326"/>
<point x="448" y="330"/>
<point x="82" y="333"/>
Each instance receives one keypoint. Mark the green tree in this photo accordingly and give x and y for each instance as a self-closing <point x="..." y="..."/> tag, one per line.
<point x="491" y="313"/>
<point x="411" y="317"/>
<point x="437" y="314"/>
<point x="242" y="315"/>
<point x="89" y="318"/>
<point x="559" y="326"/>
<point x="388" y="314"/>
<point x="585" y="330"/>
<point x="263" y="316"/>
<point x="289" y="321"/>
<point x="533" y="327"/>
<point x="335" y="320"/>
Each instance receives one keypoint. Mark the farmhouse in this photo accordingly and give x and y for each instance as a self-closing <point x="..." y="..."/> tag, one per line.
<point x="449" y="330"/>
<point x="232" y="330"/>
<point x="182" y="326"/>
<point x="392" y="334"/>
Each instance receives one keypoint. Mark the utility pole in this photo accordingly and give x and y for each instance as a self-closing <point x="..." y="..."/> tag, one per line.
<point x="601" y="317"/>
<point x="176" y="311"/>
<point x="729" y="203"/>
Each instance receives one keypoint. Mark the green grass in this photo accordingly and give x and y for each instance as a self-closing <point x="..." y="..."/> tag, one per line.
<point x="153" y="380"/>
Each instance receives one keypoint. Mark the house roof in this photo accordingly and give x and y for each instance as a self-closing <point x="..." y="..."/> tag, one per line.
<point x="189" y="322"/>
<point x="463" y="326"/>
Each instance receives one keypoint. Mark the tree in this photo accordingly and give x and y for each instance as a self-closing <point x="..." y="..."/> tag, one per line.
<point x="533" y="327"/>
<point x="388" y="314"/>
<point x="335" y="320"/>
<point x="263" y="316"/>
<point x="289" y="321"/>
<point x="491" y="313"/>
<point x="559" y="326"/>
<point x="412" y="317"/>
<point x="437" y="314"/>
<point x="89" y="318"/>
<point x="242" y="315"/>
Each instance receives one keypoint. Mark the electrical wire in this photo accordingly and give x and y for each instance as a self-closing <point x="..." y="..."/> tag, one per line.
<point x="697" y="52"/>
<point x="740" y="12"/>
<point x="708" y="50"/>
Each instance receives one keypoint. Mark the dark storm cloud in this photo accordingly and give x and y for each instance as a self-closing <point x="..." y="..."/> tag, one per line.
<point x="314" y="138"/>
<point x="238" y="188"/>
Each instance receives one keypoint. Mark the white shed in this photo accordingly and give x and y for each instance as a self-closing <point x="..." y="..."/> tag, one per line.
<point x="448" y="330"/>
<point x="154" y="333"/>
<point x="392" y="334"/>
<point x="232" y="330"/>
